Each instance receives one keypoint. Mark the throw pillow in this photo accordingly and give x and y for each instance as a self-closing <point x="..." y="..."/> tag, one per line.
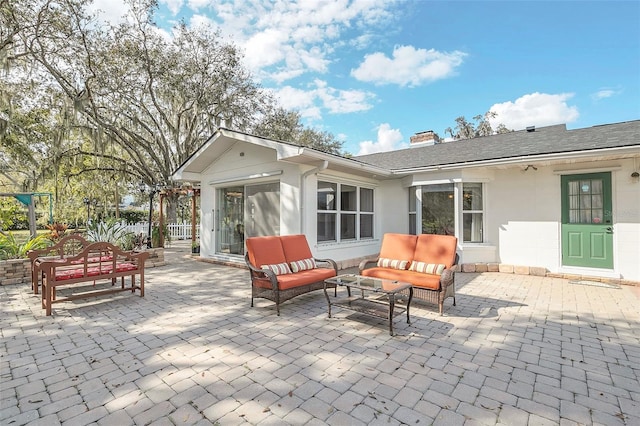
<point x="383" y="262"/>
<point x="278" y="268"/>
<point x="303" y="265"/>
<point x="428" y="268"/>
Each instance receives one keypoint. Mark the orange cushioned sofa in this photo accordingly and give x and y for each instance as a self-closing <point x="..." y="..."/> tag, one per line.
<point x="425" y="261"/>
<point x="282" y="267"/>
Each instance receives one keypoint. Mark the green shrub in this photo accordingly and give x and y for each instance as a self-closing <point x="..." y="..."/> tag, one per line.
<point x="11" y="248"/>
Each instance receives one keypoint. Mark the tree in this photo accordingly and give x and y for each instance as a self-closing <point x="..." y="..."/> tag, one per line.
<point x="144" y="100"/>
<point x="284" y="125"/>
<point x="467" y="130"/>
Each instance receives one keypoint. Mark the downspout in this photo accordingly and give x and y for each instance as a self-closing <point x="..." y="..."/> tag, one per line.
<point x="303" y="180"/>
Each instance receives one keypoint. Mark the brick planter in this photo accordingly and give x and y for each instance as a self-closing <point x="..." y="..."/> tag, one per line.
<point x="15" y="271"/>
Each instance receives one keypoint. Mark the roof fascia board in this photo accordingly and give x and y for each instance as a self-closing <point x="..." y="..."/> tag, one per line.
<point x="522" y="159"/>
<point x="177" y="174"/>
<point x="344" y="162"/>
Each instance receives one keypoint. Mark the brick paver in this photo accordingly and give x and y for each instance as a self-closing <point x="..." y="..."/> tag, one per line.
<point x="515" y="350"/>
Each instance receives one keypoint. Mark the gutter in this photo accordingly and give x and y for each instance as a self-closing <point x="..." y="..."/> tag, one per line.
<point x="523" y="159"/>
<point x="303" y="179"/>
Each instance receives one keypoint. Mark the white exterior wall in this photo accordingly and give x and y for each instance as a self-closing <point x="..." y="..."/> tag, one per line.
<point x="232" y="168"/>
<point x="523" y="214"/>
<point x="393" y="208"/>
<point x="626" y="219"/>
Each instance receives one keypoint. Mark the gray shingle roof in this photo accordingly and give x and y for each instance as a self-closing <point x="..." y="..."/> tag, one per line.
<point x="544" y="140"/>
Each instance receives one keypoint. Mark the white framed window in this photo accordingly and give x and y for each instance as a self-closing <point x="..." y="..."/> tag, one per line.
<point x="472" y="213"/>
<point x="432" y="210"/>
<point x="345" y="212"/>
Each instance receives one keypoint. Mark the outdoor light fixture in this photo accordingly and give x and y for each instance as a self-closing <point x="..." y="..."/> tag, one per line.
<point x="87" y="203"/>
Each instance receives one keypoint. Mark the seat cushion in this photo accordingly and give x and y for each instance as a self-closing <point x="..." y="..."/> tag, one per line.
<point x="398" y="246"/>
<point x="417" y="279"/>
<point x="304" y="277"/>
<point x="265" y="251"/>
<point x="436" y="249"/>
<point x="295" y="247"/>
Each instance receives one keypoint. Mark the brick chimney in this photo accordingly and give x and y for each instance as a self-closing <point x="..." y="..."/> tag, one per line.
<point x="427" y="137"/>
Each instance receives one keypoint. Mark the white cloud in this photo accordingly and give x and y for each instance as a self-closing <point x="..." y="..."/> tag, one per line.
<point x="311" y="102"/>
<point x="408" y="66"/>
<point x="284" y="39"/>
<point x="174" y="6"/>
<point x="111" y="11"/>
<point x="535" y="109"/>
<point x="605" y="93"/>
<point x="388" y="140"/>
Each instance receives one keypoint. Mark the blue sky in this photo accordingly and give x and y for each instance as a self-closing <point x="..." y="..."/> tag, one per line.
<point x="374" y="72"/>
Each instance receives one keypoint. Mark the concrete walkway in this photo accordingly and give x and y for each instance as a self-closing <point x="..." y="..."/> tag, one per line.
<point x="516" y="350"/>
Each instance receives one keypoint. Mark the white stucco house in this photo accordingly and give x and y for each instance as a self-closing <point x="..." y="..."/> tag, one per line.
<point x="564" y="200"/>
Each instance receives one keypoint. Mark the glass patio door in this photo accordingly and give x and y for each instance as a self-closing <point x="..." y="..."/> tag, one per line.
<point x="246" y="211"/>
<point x="230" y="221"/>
<point x="262" y="209"/>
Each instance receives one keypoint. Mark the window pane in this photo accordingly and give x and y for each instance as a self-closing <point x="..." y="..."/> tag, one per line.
<point x="586" y="201"/>
<point x="327" y="196"/>
<point x="326" y="227"/>
<point x="472" y="196"/>
<point x="347" y="226"/>
<point x="438" y="209"/>
<point x="348" y="199"/>
<point x="472" y="227"/>
<point x="366" y="200"/>
<point x="366" y="226"/>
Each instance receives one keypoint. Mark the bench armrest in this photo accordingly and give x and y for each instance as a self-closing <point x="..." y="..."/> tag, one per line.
<point x="261" y="274"/>
<point x="448" y="275"/>
<point x="331" y="262"/>
<point x="365" y="262"/>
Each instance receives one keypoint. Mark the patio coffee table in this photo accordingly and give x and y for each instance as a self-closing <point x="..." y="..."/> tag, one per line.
<point x="378" y="307"/>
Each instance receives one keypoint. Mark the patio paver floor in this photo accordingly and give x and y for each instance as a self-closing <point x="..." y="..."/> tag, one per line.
<point x="515" y="350"/>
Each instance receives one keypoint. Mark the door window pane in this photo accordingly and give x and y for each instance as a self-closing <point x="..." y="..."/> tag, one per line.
<point x="262" y="213"/>
<point x="586" y="201"/>
<point x="230" y="220"/>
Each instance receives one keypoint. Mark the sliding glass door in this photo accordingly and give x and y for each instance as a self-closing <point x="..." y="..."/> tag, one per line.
<point x="246" y="211"/>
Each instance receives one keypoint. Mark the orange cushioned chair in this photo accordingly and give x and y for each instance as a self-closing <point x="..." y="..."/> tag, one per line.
<point x="425" y="261"/>
<point x="282" y="267"/>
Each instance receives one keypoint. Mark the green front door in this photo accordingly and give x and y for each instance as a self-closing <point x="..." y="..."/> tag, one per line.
<point x="587" y="226"/>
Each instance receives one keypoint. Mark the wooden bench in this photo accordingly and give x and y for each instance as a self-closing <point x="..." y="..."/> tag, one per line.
<point x="70" y="245"/>
<point x="282" y="267"/>
<point x="97" y="261"/>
